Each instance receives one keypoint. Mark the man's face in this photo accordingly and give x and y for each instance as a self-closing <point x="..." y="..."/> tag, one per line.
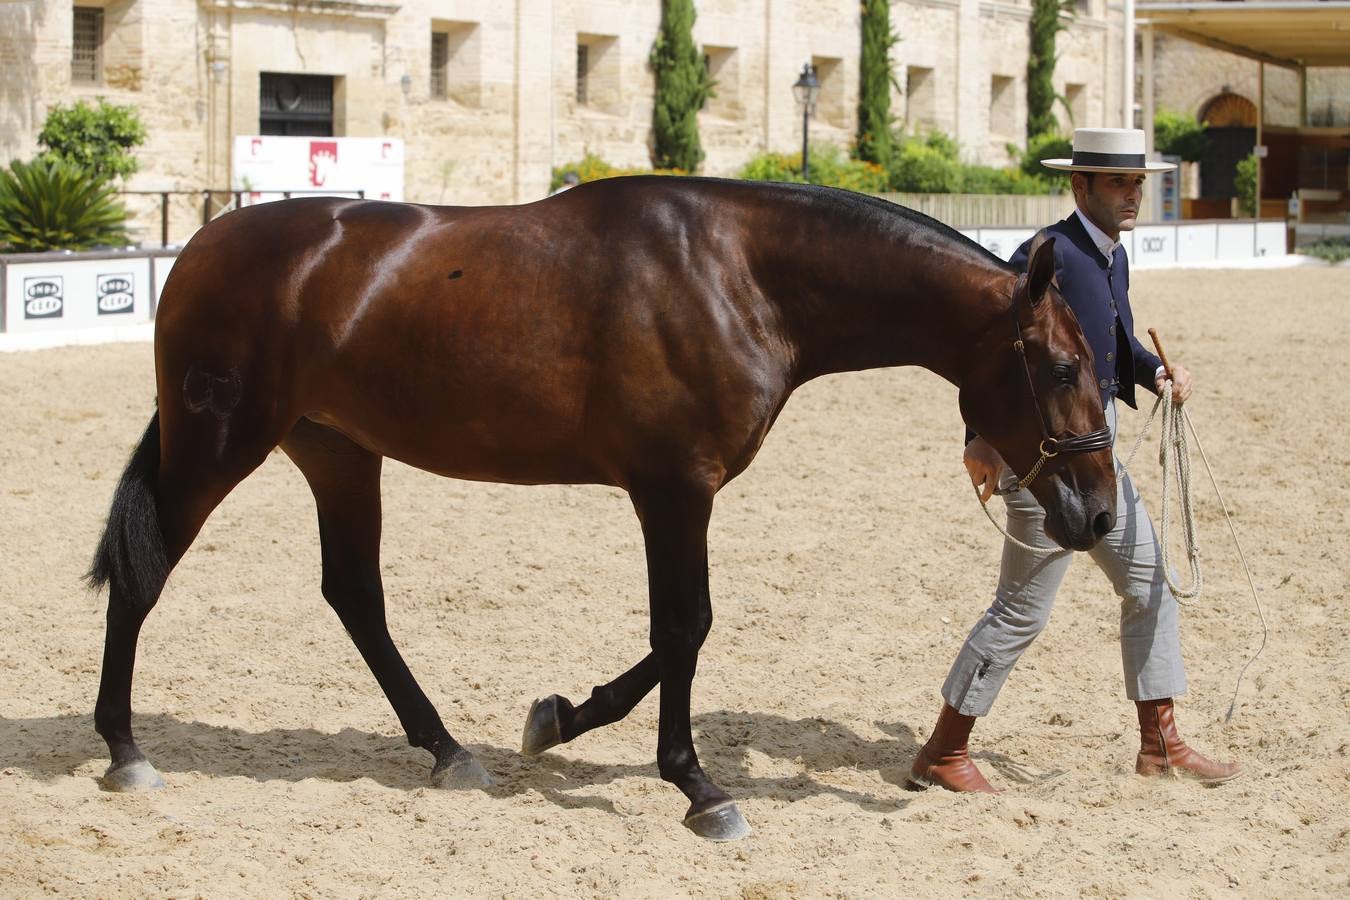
<point x="1111" y="200"/>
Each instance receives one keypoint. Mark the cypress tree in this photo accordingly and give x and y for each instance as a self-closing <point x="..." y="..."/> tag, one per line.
<point x="683" y="85"/>
<point x="874" y="85"/>
<point x="1041" y="59"/>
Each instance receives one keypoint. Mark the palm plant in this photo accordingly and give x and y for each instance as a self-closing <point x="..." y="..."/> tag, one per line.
<point x="48" y="204"/>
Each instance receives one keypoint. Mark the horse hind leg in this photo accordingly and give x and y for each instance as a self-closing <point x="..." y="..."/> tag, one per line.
<point x="157" y="509"/>
<point x="345" y="480"/>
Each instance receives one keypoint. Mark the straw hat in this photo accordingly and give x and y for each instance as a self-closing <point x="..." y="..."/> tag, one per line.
<point x="1108" y="150"/>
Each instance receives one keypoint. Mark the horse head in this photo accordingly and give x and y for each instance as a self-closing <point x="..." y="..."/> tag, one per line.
<point x="1033" y="397"/>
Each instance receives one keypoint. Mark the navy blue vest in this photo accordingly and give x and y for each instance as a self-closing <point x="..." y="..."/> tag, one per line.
<point x="1099" y="296"/>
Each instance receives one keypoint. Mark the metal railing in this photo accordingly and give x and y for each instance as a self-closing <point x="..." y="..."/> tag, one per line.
<point x="212" y="204"/>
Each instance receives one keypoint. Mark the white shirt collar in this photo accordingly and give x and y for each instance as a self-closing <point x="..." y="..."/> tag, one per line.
<point x="1099" y="237"/>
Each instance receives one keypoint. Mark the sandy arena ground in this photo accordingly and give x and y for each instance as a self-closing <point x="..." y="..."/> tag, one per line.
<point x="847" y="565"/>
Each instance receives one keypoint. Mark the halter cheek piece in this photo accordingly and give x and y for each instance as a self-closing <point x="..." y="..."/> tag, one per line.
<point x="1050" y="447"/>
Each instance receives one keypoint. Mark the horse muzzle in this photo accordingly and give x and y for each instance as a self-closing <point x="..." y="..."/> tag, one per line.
<point x="1078" y="520"/>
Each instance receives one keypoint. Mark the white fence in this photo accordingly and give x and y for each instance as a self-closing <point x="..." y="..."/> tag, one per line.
<point x="1170" y="244"/>
<point x="48" y="299"/>
<point x="986" y="210"/>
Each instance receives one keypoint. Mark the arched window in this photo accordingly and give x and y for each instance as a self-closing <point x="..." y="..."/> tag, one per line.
<point x="1228" y="111"/>
<point x="1230" y="129"/>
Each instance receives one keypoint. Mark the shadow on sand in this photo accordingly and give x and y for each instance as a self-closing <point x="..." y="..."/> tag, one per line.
<point x="55" y="747"/>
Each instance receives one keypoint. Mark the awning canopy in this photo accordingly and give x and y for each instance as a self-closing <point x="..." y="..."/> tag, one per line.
<point x="1293" y="35"/>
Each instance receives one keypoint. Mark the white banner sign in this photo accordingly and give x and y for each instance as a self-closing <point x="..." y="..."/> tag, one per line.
<point x="266" y="166"/>
<point x="55" y="293"/>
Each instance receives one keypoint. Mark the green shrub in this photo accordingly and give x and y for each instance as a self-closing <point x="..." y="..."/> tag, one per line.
<point x="1176" y="134"/>
<point x="829" y="166"/>
<point x="924" y="167"/>
<point x="1046" y="146"/>
<point x="98" y="139"/>
<point x="49" y="204"/>
<point x="773" y="167"/>
<point x="988" y="180"/>
<point x="593" y="168"/>
<point x="1330" y="249"/>
<point x="1244" y="182"/>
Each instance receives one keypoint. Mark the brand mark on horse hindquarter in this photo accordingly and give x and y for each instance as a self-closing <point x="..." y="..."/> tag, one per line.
<point x="456" y="274"/>
<point x="218" y="393"/>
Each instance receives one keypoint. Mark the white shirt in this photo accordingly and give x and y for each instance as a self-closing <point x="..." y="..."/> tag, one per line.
<point x="1105" y="245"/>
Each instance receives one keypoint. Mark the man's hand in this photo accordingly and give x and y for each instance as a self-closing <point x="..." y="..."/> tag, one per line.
<point x="984" y="465"/>
<point x="1182" y="383"/>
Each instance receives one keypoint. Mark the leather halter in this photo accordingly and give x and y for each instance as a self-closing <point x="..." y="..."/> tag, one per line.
<point x="1050" y="447"/>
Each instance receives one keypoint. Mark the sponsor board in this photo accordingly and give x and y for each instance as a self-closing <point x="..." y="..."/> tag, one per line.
<point x="76" y="293"/>
<point x="114" y="294"/>
<point x="263" y="167"/>
<point x="43" y="297"/>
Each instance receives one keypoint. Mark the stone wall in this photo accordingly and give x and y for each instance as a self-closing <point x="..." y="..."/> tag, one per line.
<point x="510" y="110"/>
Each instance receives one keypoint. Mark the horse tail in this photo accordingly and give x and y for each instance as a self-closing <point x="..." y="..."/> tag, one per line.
<point x="131" y="554"/>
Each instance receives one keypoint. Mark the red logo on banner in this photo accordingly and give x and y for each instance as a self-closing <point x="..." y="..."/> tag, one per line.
<point x="254" y="146"/>
<point x="384" y="150"/>
<point x="322" y="161"/>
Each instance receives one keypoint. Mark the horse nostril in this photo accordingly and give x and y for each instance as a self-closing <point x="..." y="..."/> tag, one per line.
<point x="1102" y="523"/>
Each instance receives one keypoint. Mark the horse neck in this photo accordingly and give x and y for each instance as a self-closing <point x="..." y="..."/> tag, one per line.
<point x="912" y="301"/>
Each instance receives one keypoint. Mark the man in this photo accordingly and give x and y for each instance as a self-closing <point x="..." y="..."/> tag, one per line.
<point x="1108" y="170"/>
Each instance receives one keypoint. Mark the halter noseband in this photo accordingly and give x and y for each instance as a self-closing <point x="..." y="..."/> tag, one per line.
<point x="1050" y="447"/>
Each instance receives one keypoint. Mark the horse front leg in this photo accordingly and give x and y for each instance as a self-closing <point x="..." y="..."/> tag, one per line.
<point x="675" y="528"/>
<point x="554" y="720"/>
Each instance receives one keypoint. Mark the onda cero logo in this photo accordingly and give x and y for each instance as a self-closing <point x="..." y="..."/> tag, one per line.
<point x="115" y="294"/>
<point x="43" y="297"/>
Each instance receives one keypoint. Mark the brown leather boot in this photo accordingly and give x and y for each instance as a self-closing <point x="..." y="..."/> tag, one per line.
<point x="1163" y="752"/>
<point x="945" y="760"/>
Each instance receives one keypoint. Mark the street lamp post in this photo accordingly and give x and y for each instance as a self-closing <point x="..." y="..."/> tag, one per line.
<point x="806" y="90"/>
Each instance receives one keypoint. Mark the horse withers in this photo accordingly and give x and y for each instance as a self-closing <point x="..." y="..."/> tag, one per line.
<point x="636" y="332"/>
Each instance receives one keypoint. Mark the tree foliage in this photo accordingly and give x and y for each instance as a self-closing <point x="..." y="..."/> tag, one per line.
<point x="1046" y="23"/>
<point x="874" y="85"/>
<point x="683" y="85"/>
<point x="98" y="139"/>
<point x="1177" y="134"/>
<point x="50" y="204"/>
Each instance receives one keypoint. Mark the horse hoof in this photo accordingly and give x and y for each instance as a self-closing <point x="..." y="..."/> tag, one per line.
<point x="461" y="772"/>
<point x="542" y="730"/>
<point x="132" y="777"/>
<point x="722" y="822"/>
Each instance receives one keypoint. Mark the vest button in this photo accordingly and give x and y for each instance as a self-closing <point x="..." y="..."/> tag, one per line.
<point x="1110" y="356"/>
<point x="1111" y="330"/>
<point x="1103" y="384"/>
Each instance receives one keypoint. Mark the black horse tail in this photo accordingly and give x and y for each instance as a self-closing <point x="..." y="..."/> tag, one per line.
<point x="131" y="554"/>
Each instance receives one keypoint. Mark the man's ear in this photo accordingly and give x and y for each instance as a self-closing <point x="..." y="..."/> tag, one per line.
<point x="1040" y="267"/>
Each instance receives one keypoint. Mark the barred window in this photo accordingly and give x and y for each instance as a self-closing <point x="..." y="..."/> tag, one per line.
<point x="440" y="55"/>
<point x="87" y="45"/>
<point x="583" y="69"/>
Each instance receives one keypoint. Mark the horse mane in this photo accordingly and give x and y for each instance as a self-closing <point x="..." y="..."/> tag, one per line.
<point x="877" y="213"/>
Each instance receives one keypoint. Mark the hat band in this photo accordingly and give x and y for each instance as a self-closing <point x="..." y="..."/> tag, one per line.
<point x="1109" y="160"/>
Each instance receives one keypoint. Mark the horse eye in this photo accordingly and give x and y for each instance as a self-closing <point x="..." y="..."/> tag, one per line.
<point x="1062" y="372"/>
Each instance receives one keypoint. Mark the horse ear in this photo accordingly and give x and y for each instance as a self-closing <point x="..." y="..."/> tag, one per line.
<point x="1040" y="266"/>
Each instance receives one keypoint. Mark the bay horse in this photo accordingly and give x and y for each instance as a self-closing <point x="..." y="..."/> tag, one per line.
<point x="638" y="332"/>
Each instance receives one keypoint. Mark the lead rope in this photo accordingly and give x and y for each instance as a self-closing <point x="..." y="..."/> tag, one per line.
<point x="1174" y="436"/>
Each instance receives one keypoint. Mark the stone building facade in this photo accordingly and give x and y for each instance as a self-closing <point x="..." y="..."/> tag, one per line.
<point x="489" y="95"/>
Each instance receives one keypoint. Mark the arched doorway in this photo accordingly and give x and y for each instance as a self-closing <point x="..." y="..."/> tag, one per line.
<point x="1230" y="126"/>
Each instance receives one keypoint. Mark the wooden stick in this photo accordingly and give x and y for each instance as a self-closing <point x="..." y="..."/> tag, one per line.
<point x="1167" y="367"/>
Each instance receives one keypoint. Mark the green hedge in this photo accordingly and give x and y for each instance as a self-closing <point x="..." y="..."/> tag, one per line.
<point x="928" y="164"/>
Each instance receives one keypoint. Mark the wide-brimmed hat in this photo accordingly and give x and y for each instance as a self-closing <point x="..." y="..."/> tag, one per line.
<point x="1108" y="150"/>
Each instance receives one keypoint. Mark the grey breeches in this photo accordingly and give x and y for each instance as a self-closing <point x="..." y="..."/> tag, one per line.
<point x="1150" y="644"/>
